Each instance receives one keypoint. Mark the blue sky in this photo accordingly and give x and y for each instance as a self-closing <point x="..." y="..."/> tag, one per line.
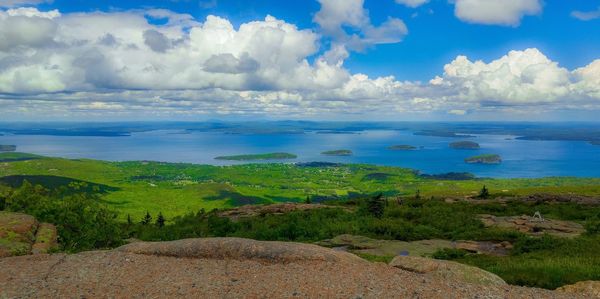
<point x="418" y="43"/>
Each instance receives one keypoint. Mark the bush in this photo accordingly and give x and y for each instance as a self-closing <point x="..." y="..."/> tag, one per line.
<point x="82" y="222"/>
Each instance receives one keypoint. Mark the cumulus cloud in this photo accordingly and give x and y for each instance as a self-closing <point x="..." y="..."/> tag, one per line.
<point x="412" y="3"/>
<point x="119" y="63"/>
<point x="586" y="15"/>
<point x="492" y="12"/>
<point x="518" y="77"/>
<point x="336" y="16"/>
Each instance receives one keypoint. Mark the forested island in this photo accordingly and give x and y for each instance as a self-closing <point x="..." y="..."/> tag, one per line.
<point x="484" y="159"/>
<point x="402" y="147"/>
<point x="342" y="152"/>
<point x="269" y="156"/>
<point x="7" y="148"/>
<point x="464" y="145"/>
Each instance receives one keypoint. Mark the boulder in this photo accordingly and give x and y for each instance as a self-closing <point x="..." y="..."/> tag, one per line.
<point x="45" y="239"/>
<point x="446" y="270"/>
<point x="17" y="233"/>
<point x="21" y="234"/>
<point x="590" y="289"/>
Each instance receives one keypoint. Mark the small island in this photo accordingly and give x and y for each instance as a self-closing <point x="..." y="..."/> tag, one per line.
<point x="464" y="145"/>
<point x="402" y="147"/>
<point x="269" y="156"/>
<point x="484" y="159"/>
<point x="337" y="153"/>
<point x="7" y="148"/>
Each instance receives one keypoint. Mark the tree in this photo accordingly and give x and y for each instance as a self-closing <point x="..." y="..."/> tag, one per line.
<point x="129" y="222"/>
<point x="484" y="193"/>
<point x="376" y="205"/>
<point x="308" y="200"/>
<point x="160" y="220"/>
<point x="147" y="219"/>
<point x="418" y="194"/>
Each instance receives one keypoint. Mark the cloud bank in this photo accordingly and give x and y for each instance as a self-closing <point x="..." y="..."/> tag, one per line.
<point x="118" y="64"/>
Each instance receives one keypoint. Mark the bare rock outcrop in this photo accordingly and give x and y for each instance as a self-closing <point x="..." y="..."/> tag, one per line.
<point x="231" y="268"/>
<point x="22" y="234"/>
<point x="591" y="289"/>
<point x="448" y="270"/>
<point x="270" y="209"/>
<point x="534" y="226"/>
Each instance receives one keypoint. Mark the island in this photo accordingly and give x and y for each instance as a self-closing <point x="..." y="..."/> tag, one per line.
<point x="484" y="159"/>
<point x="595" y="142"/>
<point x="402" y="147"/>
<point x="464" y="145"/>
<point x="269" y="156"/>
<point x="342" y="152"/>
<point x="7" y="148"/>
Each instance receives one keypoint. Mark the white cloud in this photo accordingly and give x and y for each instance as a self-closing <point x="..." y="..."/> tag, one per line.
<point x="586" y="15"/>
<point x="348" y="23"/>
<point x="520" y="77"/>
<point x="412" y="3"/>
<point x="119" y="64"/>
<point x="494" y="12"/>
<point x="457" y="112"/>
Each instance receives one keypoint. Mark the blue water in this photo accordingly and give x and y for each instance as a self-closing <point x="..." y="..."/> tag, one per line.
<point x="521" y="158"/>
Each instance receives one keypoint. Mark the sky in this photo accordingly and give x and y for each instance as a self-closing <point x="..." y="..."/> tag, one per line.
<point x="311" y="59"/>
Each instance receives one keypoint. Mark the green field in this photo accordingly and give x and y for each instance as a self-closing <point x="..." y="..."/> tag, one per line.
<point x="176" y="189"/>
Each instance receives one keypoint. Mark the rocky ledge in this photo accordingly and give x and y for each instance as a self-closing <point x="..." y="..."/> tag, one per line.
<point x="241" y="268"/>
<point x="22" y="234"/>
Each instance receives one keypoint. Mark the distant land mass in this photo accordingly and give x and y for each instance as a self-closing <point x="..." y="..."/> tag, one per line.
<point x="402" y="147"/>
<point x="464" y="145"/>
<point x="269" y="156"/>
<point x="342" y="152"/>
<point x="484" y="159"/>
<point x="436" y="133"/>
<point x="7" y="148"/>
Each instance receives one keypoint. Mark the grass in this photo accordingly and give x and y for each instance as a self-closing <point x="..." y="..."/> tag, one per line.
<point x="176" y="189"/>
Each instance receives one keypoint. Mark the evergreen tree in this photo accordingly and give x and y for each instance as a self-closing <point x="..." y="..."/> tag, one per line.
<point x="484" y="193"/>
<point x="308" y="201"/>
<point x="147" y="219"/>
<point x="160" y="220"/>
<point x="376" y="205"/>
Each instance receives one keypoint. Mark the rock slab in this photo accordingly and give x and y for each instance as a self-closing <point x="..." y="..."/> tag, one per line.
<point x="230" y="268"/>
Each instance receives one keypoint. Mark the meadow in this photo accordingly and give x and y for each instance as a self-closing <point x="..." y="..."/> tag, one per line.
<point x="178" y="188"/>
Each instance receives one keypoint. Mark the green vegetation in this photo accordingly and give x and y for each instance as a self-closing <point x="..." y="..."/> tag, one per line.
<point x="270" y="156"/>
<point x="7" y="148"/>
<point x="337" y="153"/>
<point x="82" y="221"/>
<point x="464" y="145"/>
<point x="402" y="147"/>
<point x="176" y="189"/>
<point x="12" y="157"/>
<point x="484" y="159"/>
